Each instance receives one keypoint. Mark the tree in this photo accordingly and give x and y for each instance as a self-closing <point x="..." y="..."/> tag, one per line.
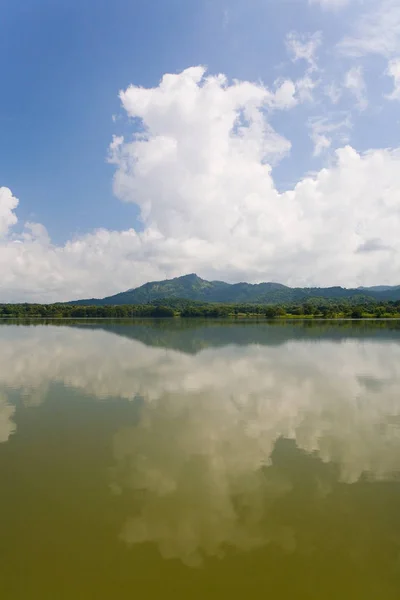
<point x="162" y="311"/>
<point x="271" y="312"/>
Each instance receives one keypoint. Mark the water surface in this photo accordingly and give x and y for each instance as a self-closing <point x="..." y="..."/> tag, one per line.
<point x="201" y="460"/>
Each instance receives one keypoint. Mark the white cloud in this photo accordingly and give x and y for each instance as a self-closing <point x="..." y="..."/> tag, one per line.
<point x="393" y="71"/>
<point x="323" y="130"/>
<point x="355" y="83"/>
<point x="376" y="31"/>
<point x="304" y="47"/>
<point x="7" y="206"/>
<point x="201" y="176"/>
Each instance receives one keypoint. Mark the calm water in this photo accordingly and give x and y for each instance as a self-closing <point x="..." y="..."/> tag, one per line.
<point x="200" y="460"/>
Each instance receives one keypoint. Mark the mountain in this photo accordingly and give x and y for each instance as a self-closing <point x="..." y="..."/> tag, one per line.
<point x="192" y="287"/>
<point x="380" y="288"/>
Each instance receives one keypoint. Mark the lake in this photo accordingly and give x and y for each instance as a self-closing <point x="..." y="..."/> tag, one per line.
<point x="192" y="459"/>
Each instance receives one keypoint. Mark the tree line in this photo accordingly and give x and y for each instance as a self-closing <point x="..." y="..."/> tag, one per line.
<point x="316" y="308"/>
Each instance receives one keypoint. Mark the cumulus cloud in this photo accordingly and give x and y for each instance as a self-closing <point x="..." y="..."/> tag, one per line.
<point x="248" y="206"/>
<point x="200" y="170"/>
<point x="8" y="203"/>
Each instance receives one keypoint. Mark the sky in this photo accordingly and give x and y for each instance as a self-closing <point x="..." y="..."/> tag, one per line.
<point x="243" y="140"/>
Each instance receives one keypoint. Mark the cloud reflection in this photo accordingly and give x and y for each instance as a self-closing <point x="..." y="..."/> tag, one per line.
<point x="201" y="455"/>
<point x="7" y="425"/>
<point x="339" y="399"/>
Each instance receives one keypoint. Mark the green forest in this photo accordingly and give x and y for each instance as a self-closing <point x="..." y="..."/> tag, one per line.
<point x="317" y="308"/>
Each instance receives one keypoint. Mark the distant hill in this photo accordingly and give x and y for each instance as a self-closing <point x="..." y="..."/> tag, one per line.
<point x="192" y="287"/>
<point x="380" y="288"/>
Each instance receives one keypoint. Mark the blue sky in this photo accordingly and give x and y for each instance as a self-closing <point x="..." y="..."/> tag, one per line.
<point x="63" y="64"/>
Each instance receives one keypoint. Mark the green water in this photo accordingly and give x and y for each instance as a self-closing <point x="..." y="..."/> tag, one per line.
<point x="200" y="460"/>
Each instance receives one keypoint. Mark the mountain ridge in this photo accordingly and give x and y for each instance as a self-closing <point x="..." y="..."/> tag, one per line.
<point x="191" y="287"/>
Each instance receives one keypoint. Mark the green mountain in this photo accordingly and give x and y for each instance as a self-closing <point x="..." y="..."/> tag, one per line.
<point x="191" y="287"/>
<point x="380" y="288"/>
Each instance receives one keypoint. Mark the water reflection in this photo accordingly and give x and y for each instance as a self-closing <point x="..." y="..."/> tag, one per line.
<point x="7" y="426"/>
<point x="237" y="446"/>
<point x="340" y="400"/>
<point x="203" y="507"/>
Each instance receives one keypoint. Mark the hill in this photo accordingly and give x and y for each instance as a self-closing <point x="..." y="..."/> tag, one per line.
<point x="191" y="287"/>
<point x="381" y="288"/>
